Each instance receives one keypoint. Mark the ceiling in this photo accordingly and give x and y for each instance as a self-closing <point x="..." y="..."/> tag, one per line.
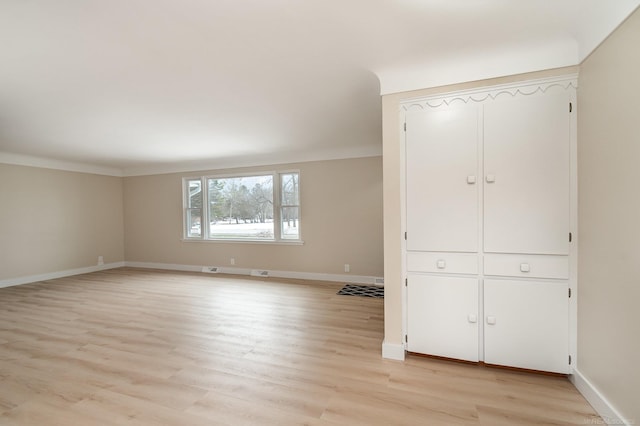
<point x="147" y="86"/>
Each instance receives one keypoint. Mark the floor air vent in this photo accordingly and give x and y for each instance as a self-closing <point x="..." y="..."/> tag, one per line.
<point x="210" y="269"/>
<point x="259" y="273"/>
<point x="362" y="290"/>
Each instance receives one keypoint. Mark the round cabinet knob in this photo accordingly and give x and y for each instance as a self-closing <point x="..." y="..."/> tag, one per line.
<point x="441" y="264"/>
<point x="524" y="267"/>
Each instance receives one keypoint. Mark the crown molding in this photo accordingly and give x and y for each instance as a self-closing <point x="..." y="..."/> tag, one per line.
<point x="48" y="163"/>
<point x="191" y="166"/>
<point x="253" y="161"/>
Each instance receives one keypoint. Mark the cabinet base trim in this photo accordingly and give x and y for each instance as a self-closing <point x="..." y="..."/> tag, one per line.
<point x="444" y="358"/>
<point x="392" y="351"/>
<point x="598" y="401"/>
<point x="526" y="370"/>
<point x="485" y="365"/>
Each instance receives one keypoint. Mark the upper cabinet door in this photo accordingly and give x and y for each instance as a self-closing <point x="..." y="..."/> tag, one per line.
<point x="526" y="174"/>
<point x="442" y="180"/>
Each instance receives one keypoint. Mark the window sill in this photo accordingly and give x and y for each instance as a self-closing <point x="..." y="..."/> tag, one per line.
<point x="267" y="242"/>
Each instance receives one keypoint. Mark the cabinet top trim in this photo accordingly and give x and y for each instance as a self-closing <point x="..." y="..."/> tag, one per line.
<point x="481" y="94"/>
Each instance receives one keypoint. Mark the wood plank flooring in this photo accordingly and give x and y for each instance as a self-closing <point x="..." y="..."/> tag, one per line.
<point x="144" y="347"/>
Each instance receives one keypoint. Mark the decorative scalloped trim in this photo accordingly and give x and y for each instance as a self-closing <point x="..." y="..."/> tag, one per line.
<point x="525" y="88"/>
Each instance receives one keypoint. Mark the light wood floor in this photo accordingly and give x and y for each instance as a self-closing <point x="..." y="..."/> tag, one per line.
<point x="141" y="347"/>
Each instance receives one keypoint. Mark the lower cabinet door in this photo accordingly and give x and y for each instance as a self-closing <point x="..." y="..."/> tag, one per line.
<point x="527" y="324"/>
<point x="443" y="316"/>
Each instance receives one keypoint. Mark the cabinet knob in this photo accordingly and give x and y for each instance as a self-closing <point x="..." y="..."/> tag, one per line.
<point x="441" y="264"/>
<point x="524" y="267"/>
<point x="472" y="318"/>
<point x="491" y="320"/>
<point x="491" y="178"/>
<point x="471" y="179"/>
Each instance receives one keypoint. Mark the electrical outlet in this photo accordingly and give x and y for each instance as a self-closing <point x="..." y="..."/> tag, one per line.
<point x="233" y="261"/>
<point x="100" y="260"/>
<point x="347" y="267"/>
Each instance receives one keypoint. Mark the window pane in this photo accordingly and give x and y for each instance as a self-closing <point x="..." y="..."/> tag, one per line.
<point x="290" y="223"/>
<point x="289" y="190"/>
<point x="241" y="207"/>
<point x="194" y="223"/>
<point x="194" y="199"/>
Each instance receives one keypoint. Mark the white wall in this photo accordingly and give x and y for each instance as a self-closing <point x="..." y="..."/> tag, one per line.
<point x="52" y="220"/>
<point x="341" y="222"/>
<point x="609" y="219"/>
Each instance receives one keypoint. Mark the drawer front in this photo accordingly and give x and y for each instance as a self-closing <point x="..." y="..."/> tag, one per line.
<point x="527" y="265"/>
<point x="452" y="263"/>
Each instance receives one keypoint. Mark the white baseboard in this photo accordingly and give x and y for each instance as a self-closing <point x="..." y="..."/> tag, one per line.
<point x="392" y="351"/>
<point x="313" y="276"/>
<point x="166" y="266"/>
<point x="58" y="274"/>
<point x="603" y="407"/>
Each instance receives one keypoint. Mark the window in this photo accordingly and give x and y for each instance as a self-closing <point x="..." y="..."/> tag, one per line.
<point x="262" y="207"/>
<point x="289" y="207"/>
<point x="193" y="214"/>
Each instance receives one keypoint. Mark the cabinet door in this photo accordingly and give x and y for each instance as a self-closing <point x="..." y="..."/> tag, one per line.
<point x="441" y="164"/>
<point x="442" y="316"/>
<point x="526" y="167"/>
<point x="527" y="324"/>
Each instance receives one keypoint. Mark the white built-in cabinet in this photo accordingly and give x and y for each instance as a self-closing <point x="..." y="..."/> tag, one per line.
<point x="489" y="216"/>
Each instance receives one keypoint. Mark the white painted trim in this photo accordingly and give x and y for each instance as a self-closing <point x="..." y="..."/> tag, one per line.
<point x="186" y="166"/>
<point x="403" y="229"/>
<point x="573" y="228"/>
<point x="58" y="274"/>
<point x="273" y="242"/>
<point x="317" y="276"/>
<point x="392" y="351"/>
<point x="253" y="161"/>
<point x="48" y="163"/>
<point x="482" y="94"/>
<point x="164" y="266"/>
<point x="603" y="407"/>
<point x="313" y="276"/>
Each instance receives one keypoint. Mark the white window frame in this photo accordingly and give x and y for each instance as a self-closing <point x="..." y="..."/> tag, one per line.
<point x="282" y="206"/>
<point x="277" y="209"/>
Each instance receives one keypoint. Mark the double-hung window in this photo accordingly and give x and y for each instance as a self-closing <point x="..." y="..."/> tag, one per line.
<point x="256" y="207"/>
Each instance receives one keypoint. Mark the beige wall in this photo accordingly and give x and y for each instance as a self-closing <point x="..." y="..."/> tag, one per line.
<point x="52" y="220"/>
<point x="609" y="218"/>
<point x="341" y="205"/>
<point x="393" y="188"/>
